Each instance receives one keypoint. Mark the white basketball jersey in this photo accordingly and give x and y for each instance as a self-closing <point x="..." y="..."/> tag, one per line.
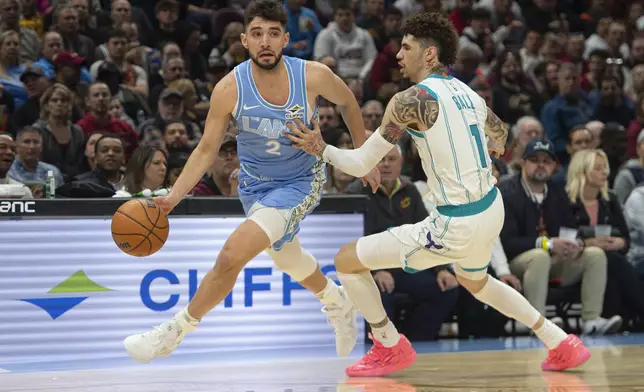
<point x="454" y="150"/>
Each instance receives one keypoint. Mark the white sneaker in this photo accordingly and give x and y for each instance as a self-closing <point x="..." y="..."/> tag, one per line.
<point x="343" y="320"/>
<point x="161" y="341"/>
<point x="602" y="326"/>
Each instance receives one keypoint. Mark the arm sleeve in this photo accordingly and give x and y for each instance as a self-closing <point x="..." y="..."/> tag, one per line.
<point x="358" y="162"/>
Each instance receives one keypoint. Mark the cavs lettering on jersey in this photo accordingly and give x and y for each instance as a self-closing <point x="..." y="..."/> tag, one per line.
<point x="454" y="152"/>
<point x="264" y="152"/>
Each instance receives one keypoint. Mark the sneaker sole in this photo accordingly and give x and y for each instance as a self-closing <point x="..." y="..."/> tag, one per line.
<point x="380" y="372"/>
<point x="580" y="359"/>
<point x="614" y="327"/>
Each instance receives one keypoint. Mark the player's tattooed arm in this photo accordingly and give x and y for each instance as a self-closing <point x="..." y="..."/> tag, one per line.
<point x="497" y="133"/>
<point x="414" y="108"/>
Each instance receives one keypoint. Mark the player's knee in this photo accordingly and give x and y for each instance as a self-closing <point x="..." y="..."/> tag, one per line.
<point x="471" y="285"/>
<point x="229" y="262"/>
<point x="347" y="262"/>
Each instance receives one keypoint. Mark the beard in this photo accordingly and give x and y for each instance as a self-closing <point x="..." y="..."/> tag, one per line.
<point x="269" y="66"/>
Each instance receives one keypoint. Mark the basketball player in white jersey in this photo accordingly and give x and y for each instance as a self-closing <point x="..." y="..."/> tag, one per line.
<point x="449" y="123"/>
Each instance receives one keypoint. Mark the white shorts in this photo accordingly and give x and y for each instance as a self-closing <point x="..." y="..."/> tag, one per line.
<point x="463" y="235"/>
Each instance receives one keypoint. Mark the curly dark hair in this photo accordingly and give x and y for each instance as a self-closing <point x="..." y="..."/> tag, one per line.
<point x="434" y="29"/>
<point x="272" y="10"/>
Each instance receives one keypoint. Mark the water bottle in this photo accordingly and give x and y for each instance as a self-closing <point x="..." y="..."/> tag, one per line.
<point x="50" y="185"/>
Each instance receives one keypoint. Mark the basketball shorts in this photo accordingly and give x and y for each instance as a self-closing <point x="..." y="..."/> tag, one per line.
<point x="294" y="199"/>
<point x="463" y="235"/>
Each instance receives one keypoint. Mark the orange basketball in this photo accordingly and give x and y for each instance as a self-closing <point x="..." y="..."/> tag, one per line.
<point x="140" y="227"/>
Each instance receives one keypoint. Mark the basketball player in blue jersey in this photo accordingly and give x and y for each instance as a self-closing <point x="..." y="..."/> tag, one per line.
<point x="278" y="184"/>
<point x="449" y="123"/>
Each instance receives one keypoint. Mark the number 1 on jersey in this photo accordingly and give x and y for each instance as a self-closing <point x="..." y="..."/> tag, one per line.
<point x="273" y="147"/>
<point x="476" y="132"/>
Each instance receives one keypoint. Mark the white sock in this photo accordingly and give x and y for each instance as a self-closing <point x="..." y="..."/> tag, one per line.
<point x="331" y="295"/>
<point x="387" y="335"/>
<point x="550" y="334"/>
<point x="508" y="301"/>
<point x="363" y="291"/>
<point x="186" y="321"/>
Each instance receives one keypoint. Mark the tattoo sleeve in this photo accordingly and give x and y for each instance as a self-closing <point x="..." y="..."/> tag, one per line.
<point x="414" y="108"/>
<point x="496" y="129"/>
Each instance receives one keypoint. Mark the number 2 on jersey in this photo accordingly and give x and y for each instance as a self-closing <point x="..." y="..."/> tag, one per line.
<point x="273" y="147"/>
<point x="476" y="132"/>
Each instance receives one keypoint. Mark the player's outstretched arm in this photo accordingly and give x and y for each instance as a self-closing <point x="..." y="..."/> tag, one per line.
<point x="413" y="107"/>
<point x="497" y="133"/>
<point x="222" y="103"/>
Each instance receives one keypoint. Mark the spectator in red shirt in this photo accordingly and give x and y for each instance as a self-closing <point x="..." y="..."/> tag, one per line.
<point x="98" y="118"/>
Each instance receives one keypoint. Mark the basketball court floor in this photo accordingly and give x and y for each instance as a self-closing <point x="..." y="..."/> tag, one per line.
<point x="509" y="364"/>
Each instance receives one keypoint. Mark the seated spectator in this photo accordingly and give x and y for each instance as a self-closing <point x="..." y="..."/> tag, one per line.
<point x="53" y="45"/>
<point x="385" y="78"/>
<point x="397" y="202"/>
<point x="29" y="43"/>
<point x="35" y="83"/>
<point x="593" y="206"/>
<point x="90" y="151"/>
<point x="133" y="76"/>
<point x="343" y="46"/>
<point x="63" y="142"/>
<point x="104" y="180"/>
<point x="372" y="112"/>
<point x="632" y="174"/>
<point x="175" y="137"/>
<point x="230" y="50"/>
<point x="525" y="130"/>
<point x="68" y="67"/>
<point x="7" y="155"/>
<point x="634" y="214"/>
<point x="27" y="168"/>
<point x="513" y="98"/>
<point x="134" y="104"/>
<point x="195" y="110"/>
<point x="610" y="103"/>
<point x="116" y="110"/>
<point x="11" y="68"/>
<point x="579" y="138"/>
<point x="221" y="178"/>
<point x="538" y="252"/>
<point x="145" y="175"/>
<point x="171" y="108"/>
<point x="187" y="37"/>
<point x="635" y="127"/>
<point x="99" y="118"/>
<point x="563" y="112"/>
<point x="303" y="26"/>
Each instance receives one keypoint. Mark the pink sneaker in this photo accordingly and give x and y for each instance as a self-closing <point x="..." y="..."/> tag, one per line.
<point x="380" y="360"/>
<point x="568" y="354"/>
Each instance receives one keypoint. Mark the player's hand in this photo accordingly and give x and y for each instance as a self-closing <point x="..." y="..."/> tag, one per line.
<point x="446" y="281"/>
<point x="307" y="140"/>
<point x="166" y="203"/>
<point x="385" y="281"/>
<point x="234" y="182"/>
<point x="511" y="280"/>
<point x="372" y="179"/>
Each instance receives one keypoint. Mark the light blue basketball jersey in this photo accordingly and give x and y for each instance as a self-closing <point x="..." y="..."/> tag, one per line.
<point x="273" y="173"/>
<point x="264" y="152"/>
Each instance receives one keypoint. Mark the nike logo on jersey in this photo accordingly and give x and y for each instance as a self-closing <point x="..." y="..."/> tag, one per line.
<point x="251" y="107"/>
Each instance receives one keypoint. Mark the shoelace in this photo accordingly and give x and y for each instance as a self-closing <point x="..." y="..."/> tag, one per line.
<point x="378" y="356"/>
